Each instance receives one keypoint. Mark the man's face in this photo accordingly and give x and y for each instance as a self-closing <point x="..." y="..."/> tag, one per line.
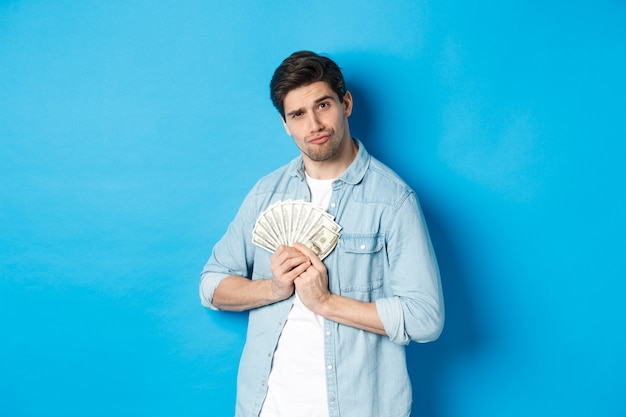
<point x="317" y="120"/>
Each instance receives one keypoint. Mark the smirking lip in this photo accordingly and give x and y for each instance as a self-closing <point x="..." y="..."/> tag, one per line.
<point x="318" y="140"/>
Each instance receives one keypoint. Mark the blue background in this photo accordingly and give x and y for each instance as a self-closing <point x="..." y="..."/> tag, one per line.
<point x="131" y="131"/>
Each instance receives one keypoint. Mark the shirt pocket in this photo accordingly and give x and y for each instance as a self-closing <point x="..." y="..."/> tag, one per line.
<point x="361" y="266"/>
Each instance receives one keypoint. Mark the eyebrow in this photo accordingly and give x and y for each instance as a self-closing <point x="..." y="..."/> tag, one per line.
<point x="317" y="101"/>
<point x="324" y="98"/>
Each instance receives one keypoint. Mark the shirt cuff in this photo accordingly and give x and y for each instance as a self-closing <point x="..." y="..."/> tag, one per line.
<point x="208" y="284"/>
<point x="392" y="316"/>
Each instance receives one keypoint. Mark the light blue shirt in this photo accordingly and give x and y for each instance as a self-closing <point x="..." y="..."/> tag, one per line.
<point x="384" y="255"/>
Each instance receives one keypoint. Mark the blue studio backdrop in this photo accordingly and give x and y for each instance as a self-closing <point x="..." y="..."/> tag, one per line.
<point x="130" y="132"/>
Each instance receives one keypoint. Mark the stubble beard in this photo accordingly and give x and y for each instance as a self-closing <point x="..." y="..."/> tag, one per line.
<point x="326" y="151"/>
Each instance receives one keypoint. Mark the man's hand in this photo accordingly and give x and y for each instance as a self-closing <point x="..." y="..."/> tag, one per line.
<point x="287" y="263"/>
<point x="237" y="293"/>
<point x="312" y="284"/>
<point x="312" y="288"/>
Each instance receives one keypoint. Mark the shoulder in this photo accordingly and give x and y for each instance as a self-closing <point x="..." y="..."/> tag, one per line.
<point x="276" y="185"/>
<point x="385" y="173"/>
<point x="278" y="178"/>
<point x="389" y="186"/>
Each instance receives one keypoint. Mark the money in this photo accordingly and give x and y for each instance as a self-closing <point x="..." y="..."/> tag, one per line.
<point x="287" y="222"/>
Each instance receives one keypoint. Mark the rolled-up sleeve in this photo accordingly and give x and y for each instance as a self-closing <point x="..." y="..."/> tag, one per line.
<point x="208" y="283"/>
<point x="415" y="309"/>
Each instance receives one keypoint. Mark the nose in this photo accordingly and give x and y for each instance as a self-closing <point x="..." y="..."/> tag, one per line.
<point x="315" y="123"/>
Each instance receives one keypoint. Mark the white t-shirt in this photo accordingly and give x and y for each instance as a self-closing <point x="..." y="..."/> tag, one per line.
<point x="297" y="381"/>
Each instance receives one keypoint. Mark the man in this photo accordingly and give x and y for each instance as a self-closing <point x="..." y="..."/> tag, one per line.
<point x="326" y="338"/>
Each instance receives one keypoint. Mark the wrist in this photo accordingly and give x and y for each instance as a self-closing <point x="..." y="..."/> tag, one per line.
<point x="276" y="292"/>
<point x="325" y="305"/>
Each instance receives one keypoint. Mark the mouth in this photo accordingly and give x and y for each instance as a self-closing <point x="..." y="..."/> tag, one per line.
<point x="318" y="140"/>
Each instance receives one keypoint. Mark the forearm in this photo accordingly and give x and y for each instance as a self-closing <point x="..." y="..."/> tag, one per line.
<point x="235" y="293"/>
<point x="354" y="313"/>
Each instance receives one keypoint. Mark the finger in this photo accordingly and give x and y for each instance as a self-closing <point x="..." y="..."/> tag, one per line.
<point x="315" y="260"/>
<point x="301" y="268"/>
<point x="284" y="258"/>
<point x="281" y="253"/>
<point x="292" y="275"/>
<point x="295" y="262"/>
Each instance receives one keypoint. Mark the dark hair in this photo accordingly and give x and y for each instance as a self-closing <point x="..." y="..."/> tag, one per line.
<point x="303" y="68"/>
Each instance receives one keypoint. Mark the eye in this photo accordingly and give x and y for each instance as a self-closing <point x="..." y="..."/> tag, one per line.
<point x="296" y="115"/>
<point x="324" y="105"/>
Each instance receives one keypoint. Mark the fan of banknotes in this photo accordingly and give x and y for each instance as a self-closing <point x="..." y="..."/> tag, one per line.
<point x="288" y="222"/>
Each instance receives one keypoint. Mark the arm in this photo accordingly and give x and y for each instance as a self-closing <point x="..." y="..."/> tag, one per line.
<point x="227" y="281"/>
<point x="415" y="311"/>
<point x="312" y="288"/>
<point x="414" y="308"/>
<point x="352" y="313"/>
<point x="237" y="293"/>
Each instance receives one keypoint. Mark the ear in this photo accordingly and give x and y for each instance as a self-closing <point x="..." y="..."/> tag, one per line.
<point x="282" y="119"/>
<point x="347" y="104"/>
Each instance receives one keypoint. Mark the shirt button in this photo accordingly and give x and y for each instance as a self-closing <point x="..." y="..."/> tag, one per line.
<point x="332" y="205"/>
<point x="331" y="398"/>
<point x="328" y="333"/>
<point x="330" y="367"/>
<point x="362" y="247"/>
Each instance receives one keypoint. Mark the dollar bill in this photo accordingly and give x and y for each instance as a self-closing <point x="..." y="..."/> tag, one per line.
<point x="288" y="222"/>
<point x="322" y="242"/>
